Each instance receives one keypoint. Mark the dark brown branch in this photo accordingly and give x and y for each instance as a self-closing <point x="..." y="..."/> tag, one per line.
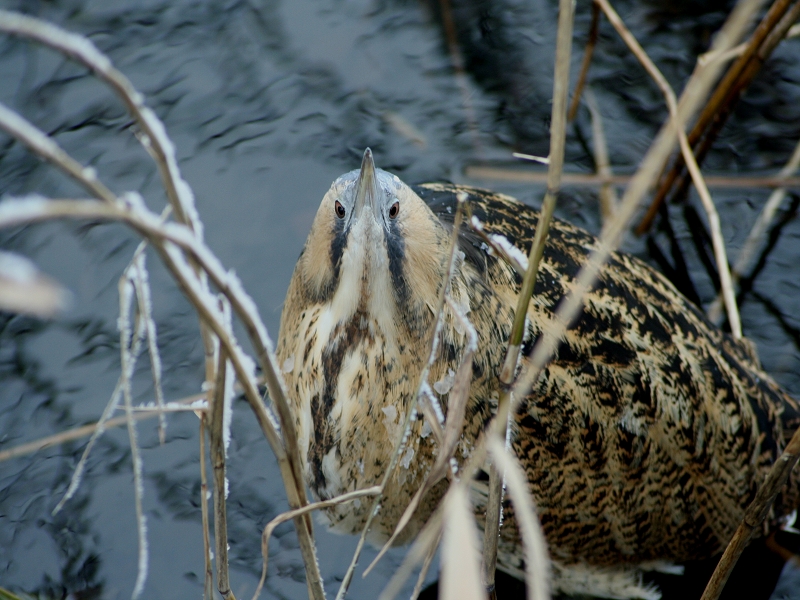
<point x="753" y="516"/>
<point x="587" y="60"/>
<point x="719" y="106"/>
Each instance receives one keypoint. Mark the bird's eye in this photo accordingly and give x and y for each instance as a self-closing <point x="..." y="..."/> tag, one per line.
<point x="394" y="210"/>
<point x="340" y="212"/>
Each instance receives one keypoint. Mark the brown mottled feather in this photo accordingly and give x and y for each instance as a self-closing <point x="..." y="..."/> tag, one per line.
<point x="644" y="440"/>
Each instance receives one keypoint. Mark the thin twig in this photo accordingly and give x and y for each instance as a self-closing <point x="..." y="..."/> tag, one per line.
<point x="220" y="480"/>
<point x="428" y="538"/>
<point x="143" y="297"/>
<point x="521" y="175"/>
<point x="607" y="194"/>
<point x="208" y="586"/>
<point x="689" y="159"/>
<point x="293" y="514"/>
<point x="757" y="233"/>
<point x="537" y="564"/>
<point x="557" y="144"/>
<point x="128" y="275"/>
<point x="587" y="60"/>
<point x="716" y="105"/>
<point x="126" y="292"/>
<point x="86" y="430"/>
<point x="753" y="516"/>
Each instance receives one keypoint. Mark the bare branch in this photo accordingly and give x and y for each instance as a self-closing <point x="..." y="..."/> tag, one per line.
<point x="87" y="430"/>
<point x="718" y="107"/>
<point x="192" y="284"/>
<point x="481" y="171"/>
<point x="688" y="157"/>
<point x="208" y="585"/>
<point x="587" y="60"/>
<point x="293" y="514"/>
<point x="753" y="516"/>
<point x="555" y="167"/>
<point x="608" y="195"/>
<point x="216" y="418"/>
<point x="143" y="298"/>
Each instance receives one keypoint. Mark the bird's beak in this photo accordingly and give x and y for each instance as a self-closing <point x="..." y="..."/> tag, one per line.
<point x="366" y="187"/>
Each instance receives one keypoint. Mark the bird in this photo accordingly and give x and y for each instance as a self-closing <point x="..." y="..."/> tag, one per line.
<point x="643" y="441"/>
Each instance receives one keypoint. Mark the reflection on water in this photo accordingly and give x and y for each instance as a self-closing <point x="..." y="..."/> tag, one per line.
<point x="267" y="102"/>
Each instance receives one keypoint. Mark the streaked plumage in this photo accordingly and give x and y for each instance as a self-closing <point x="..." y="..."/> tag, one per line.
<point x="643" y="442"/>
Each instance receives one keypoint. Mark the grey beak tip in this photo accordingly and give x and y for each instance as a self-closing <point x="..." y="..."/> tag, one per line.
<point x="367" y="162"/>
<point x="366" y="186"/>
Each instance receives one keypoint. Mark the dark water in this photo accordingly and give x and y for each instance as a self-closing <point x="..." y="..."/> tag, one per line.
<point x="267" y="102"/>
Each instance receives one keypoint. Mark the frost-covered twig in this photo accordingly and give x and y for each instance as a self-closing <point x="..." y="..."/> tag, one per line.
<point x="170" y="239"/>
<point x="293" y="514"/>
<point x="220" y="434"/>
<point x="193" y="283"/>
<point x="178" y="191"/>
<point x="126" y="293"/>
<point x="145" y="327"/>
<point x="154" y="137"/>
<point x="139" y="413"/>
<point x="143" y="298"/>
<point x="208" y="579"/>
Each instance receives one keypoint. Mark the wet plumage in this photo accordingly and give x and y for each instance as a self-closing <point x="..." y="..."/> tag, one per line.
<point x="643" y="441"/>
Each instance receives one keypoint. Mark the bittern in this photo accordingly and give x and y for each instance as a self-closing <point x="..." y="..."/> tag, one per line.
<point x="643" y="441"/>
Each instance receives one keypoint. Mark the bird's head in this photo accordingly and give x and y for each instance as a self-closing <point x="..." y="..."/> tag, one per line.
<point x="374" y="248"/>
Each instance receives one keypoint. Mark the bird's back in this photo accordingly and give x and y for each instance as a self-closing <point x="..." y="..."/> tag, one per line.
<point x="650" y="430"/>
